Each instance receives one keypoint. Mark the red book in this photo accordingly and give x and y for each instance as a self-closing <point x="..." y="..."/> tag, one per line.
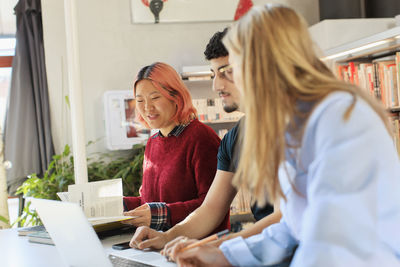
<point x="352" y="71"/>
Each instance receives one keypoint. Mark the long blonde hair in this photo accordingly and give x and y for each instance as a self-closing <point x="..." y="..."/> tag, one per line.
<point x="279" y="70"/>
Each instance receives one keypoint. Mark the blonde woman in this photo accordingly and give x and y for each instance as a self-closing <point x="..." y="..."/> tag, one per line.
<point x="339" y="174"/>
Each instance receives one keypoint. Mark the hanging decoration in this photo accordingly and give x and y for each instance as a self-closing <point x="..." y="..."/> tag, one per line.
<point x="155" y="7"/>
<point x="183" y="11"/>
<point x="242" y="8"/>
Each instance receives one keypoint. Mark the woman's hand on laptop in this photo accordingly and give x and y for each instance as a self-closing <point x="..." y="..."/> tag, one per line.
<point x="142" y="214"/>
<point x="146" y="237"/>
<point x="174" y="246"/>
<point x="204" y="255"/>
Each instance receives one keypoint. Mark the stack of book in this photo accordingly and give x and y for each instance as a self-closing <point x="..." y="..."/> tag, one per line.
<point x="105" y="226"/>
<point x="29" y="230"/>
<point x="40" y="237"/>
<point x="101" y="202"/>
<point x="36" y="234"/>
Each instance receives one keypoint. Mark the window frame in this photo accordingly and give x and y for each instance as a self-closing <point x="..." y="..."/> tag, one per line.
<point x="6" y="61"/>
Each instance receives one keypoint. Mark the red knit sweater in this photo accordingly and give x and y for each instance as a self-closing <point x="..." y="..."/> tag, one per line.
<point x="179" y="170"/>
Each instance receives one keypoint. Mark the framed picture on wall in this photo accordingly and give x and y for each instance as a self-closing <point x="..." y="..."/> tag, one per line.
<point x="175" y="11"/>
<point x="122" y="129"/>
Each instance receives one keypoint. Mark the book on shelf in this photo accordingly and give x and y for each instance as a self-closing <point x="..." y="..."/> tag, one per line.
<point x="211" y="110"/>
<point x="41" y="237"/>
<point x="241" y="204"/>
<point x="396" y="131"/>
<point x="30" y="229"/>
<point x="397" y="135"/>
<point x="379" y="77"/>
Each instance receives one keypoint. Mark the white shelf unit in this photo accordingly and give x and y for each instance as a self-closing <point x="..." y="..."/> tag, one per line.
<point x="379" y="45"/>
<point x="202" y="89"/>
<point x="374" y="46"/>
<point x="332" y="33"/>
<point x="364" y="51"/>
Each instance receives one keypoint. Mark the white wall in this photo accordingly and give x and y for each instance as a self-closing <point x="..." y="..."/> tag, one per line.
<point x="7" y="18"/>
<point x="112" y="50"/>
<point x="308" y="8"/>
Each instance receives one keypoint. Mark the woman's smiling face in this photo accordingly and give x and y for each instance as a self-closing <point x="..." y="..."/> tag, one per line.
<point x="155" y="108"/>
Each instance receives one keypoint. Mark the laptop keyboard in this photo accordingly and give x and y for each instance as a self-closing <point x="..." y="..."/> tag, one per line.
<point x="123" y="262"/>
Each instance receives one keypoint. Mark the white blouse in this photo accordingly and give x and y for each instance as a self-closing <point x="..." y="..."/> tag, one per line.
<point x="348" y="209"/>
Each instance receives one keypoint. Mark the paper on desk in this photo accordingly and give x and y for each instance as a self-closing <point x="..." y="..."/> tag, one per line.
<point x="98" y="199"/>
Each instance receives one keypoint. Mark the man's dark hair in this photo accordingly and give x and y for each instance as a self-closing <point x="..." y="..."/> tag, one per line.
<point x="215" y="48"/>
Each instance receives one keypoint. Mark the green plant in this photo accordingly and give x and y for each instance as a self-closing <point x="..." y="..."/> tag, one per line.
<point x="57" y="177"/>
<point x="60" y="174"/>
<point x="130" y="169"/>
<point x="4" y="220"/>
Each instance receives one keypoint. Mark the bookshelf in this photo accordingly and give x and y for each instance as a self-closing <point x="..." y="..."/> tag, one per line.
<point x="209" y="106"/>
<point x="201" y="92"/>
<point x="373" y="63"/>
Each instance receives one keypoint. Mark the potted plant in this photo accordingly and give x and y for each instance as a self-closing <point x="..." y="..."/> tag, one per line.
<point x="60" y="174"/>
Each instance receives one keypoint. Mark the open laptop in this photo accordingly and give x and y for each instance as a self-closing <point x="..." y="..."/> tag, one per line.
<point x="77" y="242"/>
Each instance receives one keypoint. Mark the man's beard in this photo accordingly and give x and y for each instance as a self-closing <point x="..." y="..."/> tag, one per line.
<point x="231" y="108"/>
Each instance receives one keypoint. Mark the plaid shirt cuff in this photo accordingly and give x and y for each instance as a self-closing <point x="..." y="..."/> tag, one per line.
<point x="160" y="216"/>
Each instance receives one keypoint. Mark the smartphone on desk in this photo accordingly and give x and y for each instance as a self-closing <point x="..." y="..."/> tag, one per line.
<point x="121" y="246"/>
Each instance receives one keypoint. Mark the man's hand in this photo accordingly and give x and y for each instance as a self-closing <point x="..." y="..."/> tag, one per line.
<point x="142" y="214"/>
<point x="146" y="237"/>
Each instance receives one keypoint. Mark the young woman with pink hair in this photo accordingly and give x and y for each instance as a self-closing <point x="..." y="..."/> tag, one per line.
<point x="180" y="159"/>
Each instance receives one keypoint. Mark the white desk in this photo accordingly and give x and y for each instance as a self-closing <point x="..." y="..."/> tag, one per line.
<point x="17" y="251"/>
